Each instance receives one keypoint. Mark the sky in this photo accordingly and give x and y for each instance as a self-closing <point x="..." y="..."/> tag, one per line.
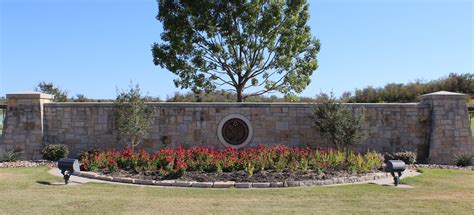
<point x="94" y="47"/>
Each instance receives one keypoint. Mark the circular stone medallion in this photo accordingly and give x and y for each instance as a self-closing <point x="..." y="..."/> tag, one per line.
<point x="235" y="130"/>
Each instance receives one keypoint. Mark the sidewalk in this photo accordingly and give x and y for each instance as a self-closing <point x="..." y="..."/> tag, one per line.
<point x="388" y="181"/>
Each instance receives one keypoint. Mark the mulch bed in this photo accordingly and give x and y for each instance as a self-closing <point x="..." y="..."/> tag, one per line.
<point x="260" y="176"/>
<point x="237" y="176"/>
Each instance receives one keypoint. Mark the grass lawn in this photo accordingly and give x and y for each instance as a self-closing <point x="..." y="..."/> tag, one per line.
<point x="437" y="191"/>
<point x="472" y="126"/>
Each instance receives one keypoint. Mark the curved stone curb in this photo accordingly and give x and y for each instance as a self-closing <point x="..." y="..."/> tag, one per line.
<point x="232" y="184"/>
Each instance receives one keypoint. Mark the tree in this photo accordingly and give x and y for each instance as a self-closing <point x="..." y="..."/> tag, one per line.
<point x="340" y="123"/>
<point x="133" y="116"/>
<point x="82" y="98"/>
<point x="410" y="92"/>
<point x="265" y="45"/>
<point x="49" y="88"/>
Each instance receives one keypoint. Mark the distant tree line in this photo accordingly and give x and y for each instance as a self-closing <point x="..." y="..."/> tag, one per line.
<point x="461" y="83"/>
<point x="390" y="93"/>
<point x="59" y="95"/>
<point x="63" y="95"/>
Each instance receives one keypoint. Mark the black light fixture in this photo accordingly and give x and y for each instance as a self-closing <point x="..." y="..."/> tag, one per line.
<point x="395" y="166"/>
<point x="68" y="166"/>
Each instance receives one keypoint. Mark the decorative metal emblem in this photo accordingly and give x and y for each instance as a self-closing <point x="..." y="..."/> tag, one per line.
<point x="235" y="131"/>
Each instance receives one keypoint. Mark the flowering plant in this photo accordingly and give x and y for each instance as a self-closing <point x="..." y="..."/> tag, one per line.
<point x="175" y="162"/>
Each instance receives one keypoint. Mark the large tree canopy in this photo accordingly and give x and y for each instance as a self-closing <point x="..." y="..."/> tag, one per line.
<point x="237" y="45"/>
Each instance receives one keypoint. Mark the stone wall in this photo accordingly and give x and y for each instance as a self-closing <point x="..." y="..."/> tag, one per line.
<point x="393" y="127"/>
<point x="417" y="127"/>
<point x="450" y="133"/>
<point x="23" y="125"/>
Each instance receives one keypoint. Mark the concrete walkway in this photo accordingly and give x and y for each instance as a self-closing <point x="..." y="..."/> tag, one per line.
<point x="76" y="180"/>
<point x="388" y="181"/>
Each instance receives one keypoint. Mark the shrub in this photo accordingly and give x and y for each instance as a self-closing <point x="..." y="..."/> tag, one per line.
<point x="133" y="116"/>
<point x="341" y="124"/>
<point x="464" y="160"/>
<point x="9" y="156"/>
<point x="408" y="157"/>
<point x="54" y="152"/>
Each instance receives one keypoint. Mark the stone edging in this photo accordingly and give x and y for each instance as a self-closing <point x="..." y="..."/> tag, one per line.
<point x="232" y="184"/>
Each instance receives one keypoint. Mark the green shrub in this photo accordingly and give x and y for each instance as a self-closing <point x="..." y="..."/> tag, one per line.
<point x="54" y="152"/>
<point x="133" y="117"/>
<point x="10" y="156"/>
<point x="341" y="124"/>
<point x="464" y="160"/>
<point x="408" y="157"/>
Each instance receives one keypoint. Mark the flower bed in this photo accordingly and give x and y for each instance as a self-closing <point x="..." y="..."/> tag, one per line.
<point x="278" y="163"/>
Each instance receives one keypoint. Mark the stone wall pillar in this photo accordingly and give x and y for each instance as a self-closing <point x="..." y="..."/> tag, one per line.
<point x="450" y="132"/>
<point x="23" y="128"/>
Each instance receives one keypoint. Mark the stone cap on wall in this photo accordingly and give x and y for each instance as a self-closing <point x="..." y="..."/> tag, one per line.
<point x="29" y="95"/>
<point x="229" y="104"/>
<point x="444" y="95"/>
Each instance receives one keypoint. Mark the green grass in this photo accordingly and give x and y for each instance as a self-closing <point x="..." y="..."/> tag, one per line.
<point x="2" y="111"/>
<point x="472" y="126"/>
<point x="437" y="191"/>
<point x="471" y="103"/>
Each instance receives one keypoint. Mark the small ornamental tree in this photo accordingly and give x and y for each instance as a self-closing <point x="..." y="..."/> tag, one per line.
<point x="341" y="124"/>
<point x="133" y="116"/>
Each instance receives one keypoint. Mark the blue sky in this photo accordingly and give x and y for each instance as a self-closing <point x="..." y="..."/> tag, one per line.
<point x="93" y="47"/>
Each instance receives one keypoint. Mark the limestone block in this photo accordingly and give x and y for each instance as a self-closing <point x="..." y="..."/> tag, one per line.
<point x="243" y="184"/>
<point x="261" y="184"/>
<point x="281" y="126"/>
<point x="202" y="184"/>
<point x="223" y="184"/>
<point x="182" y="184"/>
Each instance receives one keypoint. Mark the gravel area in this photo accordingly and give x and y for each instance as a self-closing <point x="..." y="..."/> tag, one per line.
<point x="439" y="166"/>
<point x="36" y="163"/>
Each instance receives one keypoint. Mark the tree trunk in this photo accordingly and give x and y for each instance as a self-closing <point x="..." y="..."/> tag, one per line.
<point x="239" y="94"/>
<point x="336" y="146"/>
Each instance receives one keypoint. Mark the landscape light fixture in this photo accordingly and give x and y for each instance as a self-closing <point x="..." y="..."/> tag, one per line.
<point x="395" y="166"/>
<point x="68" y="166"/>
